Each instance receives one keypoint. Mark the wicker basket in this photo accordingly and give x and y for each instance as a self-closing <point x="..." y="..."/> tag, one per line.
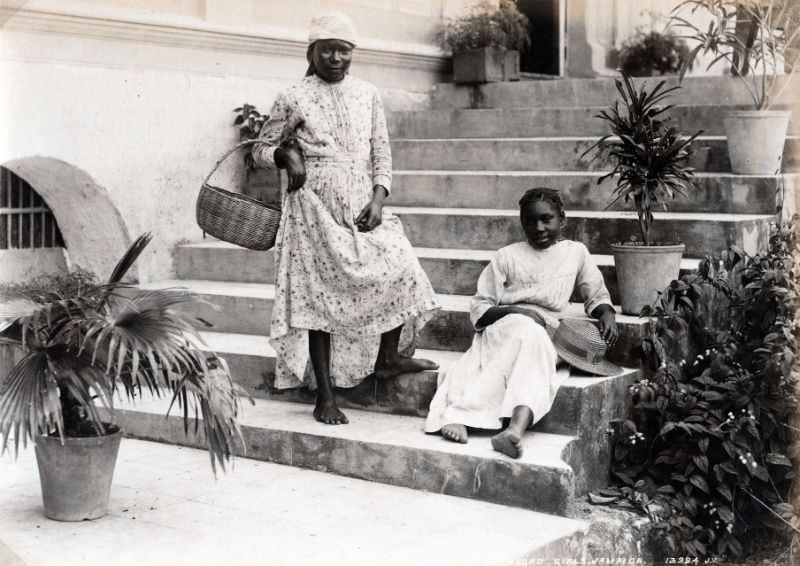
<point x="236" y="218"/>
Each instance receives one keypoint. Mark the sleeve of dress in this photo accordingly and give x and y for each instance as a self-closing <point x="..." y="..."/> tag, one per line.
<point x="590" y="283"/>
<point x="381" y="150"/>
<point x="271" y="132"/>
<point x="490" y="289"/>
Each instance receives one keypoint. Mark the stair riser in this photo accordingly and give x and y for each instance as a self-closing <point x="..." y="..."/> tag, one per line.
<point x="550" y="154"/>
<point x="742" y="195"/>
<point x="543" y="122"/>
<point x="590" y="92"/>
<point x="447" y="330"/>
<point x="493" y="232"/>
<point x="507" y="482"/>
<point x="224" y="264"/>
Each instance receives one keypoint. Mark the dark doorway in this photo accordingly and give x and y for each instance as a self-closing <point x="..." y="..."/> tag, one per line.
<point x="543" y="55"/>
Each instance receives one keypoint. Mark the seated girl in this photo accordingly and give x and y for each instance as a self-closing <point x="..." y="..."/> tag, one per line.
<point x="509" y="372"/>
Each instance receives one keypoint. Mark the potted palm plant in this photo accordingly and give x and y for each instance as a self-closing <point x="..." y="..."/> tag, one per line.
<point x="486" y="43"/>
<point x="82" y="343"/>
<point x="759" y="39"/>
<point x="650" y="162"/>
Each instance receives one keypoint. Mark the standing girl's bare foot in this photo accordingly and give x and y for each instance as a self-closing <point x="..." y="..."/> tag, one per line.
<point x="509" y="442"/>
<point x="396" y="365"/>
<point x="455" y="432"/>
<point x="327" y="412"/>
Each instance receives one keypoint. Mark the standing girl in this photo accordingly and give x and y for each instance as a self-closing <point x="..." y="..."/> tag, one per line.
<point x="350" y="295"/>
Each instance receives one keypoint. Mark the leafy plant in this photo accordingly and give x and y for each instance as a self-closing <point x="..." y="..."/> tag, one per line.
<point x="503" y="27"/>
<point x="706" y="448"/>
<point x="767" y="39"/>
<point x="650" y="160"/>
<point x="83" y="341"/>
<point x="645" y="54"/>
<point x="250" y="122"/>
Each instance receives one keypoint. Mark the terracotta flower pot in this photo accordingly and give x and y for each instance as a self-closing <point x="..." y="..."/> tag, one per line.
<point x="642" y="271"/>
<point x="76" y="476"/>
<point x="755" y="140"/>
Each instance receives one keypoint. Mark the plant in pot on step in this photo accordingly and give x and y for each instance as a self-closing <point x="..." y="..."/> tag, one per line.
<point x="758" y="40"/>
<point x="650" y="164"/>
<point x="82" y="343"/>
<point x="260" y="184"/>
<point x="486" y="43"/>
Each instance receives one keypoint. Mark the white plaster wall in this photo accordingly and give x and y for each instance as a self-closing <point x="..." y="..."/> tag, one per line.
<point x="141" y="97"/>
<point x="21" y="265"/>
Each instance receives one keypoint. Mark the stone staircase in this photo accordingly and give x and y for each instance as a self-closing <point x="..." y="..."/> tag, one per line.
<point x="460" y="168"/>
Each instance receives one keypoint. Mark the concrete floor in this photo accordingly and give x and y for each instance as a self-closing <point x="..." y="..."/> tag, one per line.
<point x="167" y="508"/>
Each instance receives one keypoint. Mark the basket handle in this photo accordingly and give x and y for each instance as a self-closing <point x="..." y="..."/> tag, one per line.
<point x="227" y="153"/>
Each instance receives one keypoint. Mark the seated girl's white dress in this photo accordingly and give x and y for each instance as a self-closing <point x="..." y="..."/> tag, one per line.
<point x="513" y="362"/>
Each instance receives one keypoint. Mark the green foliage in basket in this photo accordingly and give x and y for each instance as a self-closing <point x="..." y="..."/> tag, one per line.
<point x="649" y="158"/>
<point x="250" y="122"/>
<point x="504" y="27"/>
<point x="83" y="341"/>
<point x="706" y="449"/>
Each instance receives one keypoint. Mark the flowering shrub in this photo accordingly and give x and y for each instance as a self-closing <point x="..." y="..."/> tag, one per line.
<point x="705" y="451"/>
<point x="653" y="53"/>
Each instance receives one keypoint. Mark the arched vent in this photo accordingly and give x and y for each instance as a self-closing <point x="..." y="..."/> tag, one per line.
<point x="25" y="219"/>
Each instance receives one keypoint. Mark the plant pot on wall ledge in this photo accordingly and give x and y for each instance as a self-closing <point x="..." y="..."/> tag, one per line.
<point x="485" y="65"/>
<point x="755" y="140"/>
<point x="76" y="476"/>
<point x="642" y="271"/>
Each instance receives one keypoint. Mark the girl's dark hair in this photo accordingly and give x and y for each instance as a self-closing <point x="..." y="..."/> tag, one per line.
<point x="542" y="194"/>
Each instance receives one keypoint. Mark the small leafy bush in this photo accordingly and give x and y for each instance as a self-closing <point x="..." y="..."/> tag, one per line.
<point x="706" y="448"/>
<point x="250" y="122"/>
<point x="653" y="53"/>
<point x="504" y="27"/>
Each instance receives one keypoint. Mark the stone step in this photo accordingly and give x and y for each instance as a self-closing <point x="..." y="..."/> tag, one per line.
<point x="451" y="271"/>
<point x="593" y="92"/>
<point x="392" y="449"/>
<point x="533" y="122"/>
<point x="703" y="233"/>
<point x="712" y="192"/>
<point x="246" y="308"/>
<point x="580" y="404"/>
<point x="548" y="154"/>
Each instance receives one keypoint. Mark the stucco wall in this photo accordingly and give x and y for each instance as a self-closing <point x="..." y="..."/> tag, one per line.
<point x="21" y="265"/>
<point x="140" y="95"/>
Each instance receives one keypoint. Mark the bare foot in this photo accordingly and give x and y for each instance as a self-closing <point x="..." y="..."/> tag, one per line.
<point x="509" y="442"/>
<point x="327" y="412"/>
<point x="455" y="432"/>
<point x="396" y="366"/>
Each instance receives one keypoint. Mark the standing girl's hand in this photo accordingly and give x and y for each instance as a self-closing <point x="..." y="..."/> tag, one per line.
<point x="291" y="159"/>
<point x="371" y="215"/>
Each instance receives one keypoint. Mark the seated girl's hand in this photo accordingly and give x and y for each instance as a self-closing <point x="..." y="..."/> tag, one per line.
<point x="608" y="328"/>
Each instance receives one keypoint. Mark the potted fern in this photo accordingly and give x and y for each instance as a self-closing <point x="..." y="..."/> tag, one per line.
<point x="759" y="39"/>
<point x="650" y="163"/>
<point x="486" y="43"/>
<point x="81" y="343"/>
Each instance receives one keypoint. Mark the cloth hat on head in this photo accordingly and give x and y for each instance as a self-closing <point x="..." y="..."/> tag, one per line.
<point x="579" y="343"/>
<point x="332" y="26"/>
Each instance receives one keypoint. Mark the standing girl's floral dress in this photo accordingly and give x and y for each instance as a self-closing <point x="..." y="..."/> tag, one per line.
<point x="329" y="276"/>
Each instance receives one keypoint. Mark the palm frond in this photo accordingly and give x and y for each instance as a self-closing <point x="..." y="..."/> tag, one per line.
<point x="130" y="257"/>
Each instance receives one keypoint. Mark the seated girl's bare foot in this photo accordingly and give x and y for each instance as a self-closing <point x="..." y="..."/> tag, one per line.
<point x="455" y="432"/>
<point x="402" y="364"/>
<point x="509" y="442"/>
<point x="327" y="412"/>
